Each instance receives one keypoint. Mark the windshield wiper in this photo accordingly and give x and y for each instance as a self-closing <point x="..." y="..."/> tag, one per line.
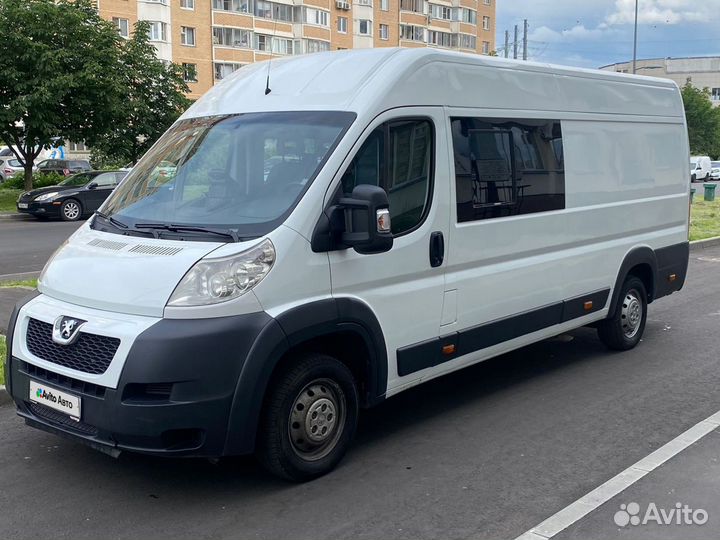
<point x="119" y="224"/>
<point x="228" y="233"/>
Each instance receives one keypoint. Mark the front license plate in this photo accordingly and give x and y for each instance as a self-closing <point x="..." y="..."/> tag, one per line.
<point x="55" y="399"/>
<point x="22" y="205"/>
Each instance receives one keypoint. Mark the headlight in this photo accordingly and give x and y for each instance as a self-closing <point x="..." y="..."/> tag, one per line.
<point x="47" y="196"/>
<point x="212" y="281"/>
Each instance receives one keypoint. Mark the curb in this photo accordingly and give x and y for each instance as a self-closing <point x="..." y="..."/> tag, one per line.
<point x="22" y="276"/>
<point x="706" y="243"/>
<point x="7" y="216"/>
<point x="5" y="398"/>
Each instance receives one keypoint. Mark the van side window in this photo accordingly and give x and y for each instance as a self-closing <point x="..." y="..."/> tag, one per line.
<point x="507" y="167"/>
<point x="406" y="173"/>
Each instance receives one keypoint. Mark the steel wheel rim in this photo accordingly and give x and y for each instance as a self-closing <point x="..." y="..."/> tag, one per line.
<point x="71" y="210"/>
<point x="317" y="419"/>
<point x="631" y="314"/>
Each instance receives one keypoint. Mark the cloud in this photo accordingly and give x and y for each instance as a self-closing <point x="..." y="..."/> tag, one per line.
<point x="576" y="33"/>
<point x="664" y="11"/>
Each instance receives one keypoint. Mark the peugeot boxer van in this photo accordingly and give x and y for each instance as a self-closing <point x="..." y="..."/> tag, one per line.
<point x="317" y="235"/>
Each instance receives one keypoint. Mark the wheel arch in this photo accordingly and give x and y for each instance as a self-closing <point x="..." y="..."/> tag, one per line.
<point x="345" y="328"/>
<point x="641" y="262"/>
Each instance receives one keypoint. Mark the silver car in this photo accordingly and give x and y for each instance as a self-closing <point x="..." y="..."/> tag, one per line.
<point x="9" y="167"/>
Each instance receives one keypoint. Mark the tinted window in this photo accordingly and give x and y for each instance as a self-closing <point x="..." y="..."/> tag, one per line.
<point x="397" y="156"/>
<point x="77" y="180"/>
<point x="507" y="167"/>
<point x="105" y="179"/>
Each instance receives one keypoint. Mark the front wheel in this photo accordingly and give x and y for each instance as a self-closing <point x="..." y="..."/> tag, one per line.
<point x="309" y="418"/>
<point x="71" y="210"/>
<point x="625" y="328"/>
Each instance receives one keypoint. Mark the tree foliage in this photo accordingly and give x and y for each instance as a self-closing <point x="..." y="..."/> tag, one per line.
<point x="154" y="97"/>
<point x="59" y="77"/>
<point x="703" y="121"/>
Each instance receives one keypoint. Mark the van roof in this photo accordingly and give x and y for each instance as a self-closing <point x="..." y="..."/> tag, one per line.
<point x="367" y="80"/>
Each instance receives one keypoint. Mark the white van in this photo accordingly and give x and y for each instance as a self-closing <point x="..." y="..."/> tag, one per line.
<point x="700" y="168"/>
<point x="295" y="249"/>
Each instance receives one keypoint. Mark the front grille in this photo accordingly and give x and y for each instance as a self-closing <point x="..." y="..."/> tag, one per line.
<point x="61" y="420"/>
<point x="61" y="381"/>
<point x="91" y="353"/>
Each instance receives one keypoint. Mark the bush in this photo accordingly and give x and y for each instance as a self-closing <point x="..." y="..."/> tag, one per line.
<point x="39" y="180"/>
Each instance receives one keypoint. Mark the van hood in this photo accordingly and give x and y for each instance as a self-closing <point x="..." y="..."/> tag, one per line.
<point x="124" y="274"/>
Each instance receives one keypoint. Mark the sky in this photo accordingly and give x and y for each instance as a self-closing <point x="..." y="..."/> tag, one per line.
<point x="594" y="33"/>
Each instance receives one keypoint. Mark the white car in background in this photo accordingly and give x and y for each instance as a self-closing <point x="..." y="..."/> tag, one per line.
<point x="715" y="171"/>
<point x="9" y="167"/>
<point x="700" y="168"/>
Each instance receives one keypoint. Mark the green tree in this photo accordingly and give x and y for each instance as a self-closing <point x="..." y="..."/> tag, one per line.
<point x="703" y="121"/>
<point x="154" y="97"/>
<point x="59" y="78"/>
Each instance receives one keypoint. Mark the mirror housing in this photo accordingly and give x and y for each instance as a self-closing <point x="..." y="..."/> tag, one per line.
<point x="367" y="220"/>
<point x="92" y="185"/>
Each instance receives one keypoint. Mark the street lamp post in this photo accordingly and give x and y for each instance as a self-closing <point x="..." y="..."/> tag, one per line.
<point x="635" y="39"/>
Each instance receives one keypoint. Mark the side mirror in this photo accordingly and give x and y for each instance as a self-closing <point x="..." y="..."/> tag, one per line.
<point x="92" y="185"/>
<point x="367" y="220"/>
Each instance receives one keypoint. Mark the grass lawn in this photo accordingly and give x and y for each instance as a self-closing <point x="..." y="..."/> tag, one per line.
<point x="3" y="349"/>
<point x="8" y="198"/>
<point x="704" y="218"/>
<point x="27" y="283"/>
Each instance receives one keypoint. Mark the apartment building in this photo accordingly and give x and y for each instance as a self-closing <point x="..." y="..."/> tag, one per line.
<point x="213" y="38"/>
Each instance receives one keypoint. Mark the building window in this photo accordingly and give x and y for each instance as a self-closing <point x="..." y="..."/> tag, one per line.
<point x="465" y="15"/>
<point x="507" y="167"/>
<point x="241" y="6"/>
<point x="385" y="5"/>
<point x="273" y="45"/>
<point x="412" y="33"/>
<point x="715" y="95"/>
<point x="412" y="5"/>
<point x="342" y="25"/>
<point x="365" y="27"/>
<point x="223" y="69"/>
<point x="440" y="12"/>
<point x="364" y="3"/>
<point x="317" y="16"/>
<point x="486" y="2"/>
<point x="486" y="23"/>
<point x="189" y="72"/>
<point x="406" y="174"/>
<point x="158" y="31"/>
<point x="232" y="37"/>
<point x="486" y="47"/>
<point x="187" y="36"/>
<point x="123" y="26"/>
<point x="271" y="10"/>
<point x="466" y="41"/>
<point x="441" y="39"/>
<point x="77" y="147"/>
<point x="314" y="45"/>
<point x="384" y="32"/>
<point x="163" y="2"/>
<point x="187" y="4"/>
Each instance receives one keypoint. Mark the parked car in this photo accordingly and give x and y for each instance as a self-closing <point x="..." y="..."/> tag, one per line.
<point x="715" y="171"/>
<point x="65" y="167"/>
<point x="9" y="167"/>
<point x="407" y="232"/>
<point x="73" y="198"/>
<point x="700" y="168"/>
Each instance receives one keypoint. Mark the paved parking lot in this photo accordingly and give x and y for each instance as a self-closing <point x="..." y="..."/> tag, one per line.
<point x="489" y="452"/>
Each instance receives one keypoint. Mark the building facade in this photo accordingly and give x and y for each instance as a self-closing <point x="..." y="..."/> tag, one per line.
<point x="703" y="72"/>
<point x="213" y="38"/>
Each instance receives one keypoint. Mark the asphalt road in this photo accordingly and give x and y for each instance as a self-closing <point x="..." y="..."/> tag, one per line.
<point x="25" y="245"/>
<point x="488" y="452"/>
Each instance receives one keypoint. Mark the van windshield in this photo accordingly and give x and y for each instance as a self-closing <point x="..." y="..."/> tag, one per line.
<point x="242" y="172"/>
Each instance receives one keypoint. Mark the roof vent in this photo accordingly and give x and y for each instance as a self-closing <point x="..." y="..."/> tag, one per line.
<point x="163" y="251"/>
<point x="107" y="244"/>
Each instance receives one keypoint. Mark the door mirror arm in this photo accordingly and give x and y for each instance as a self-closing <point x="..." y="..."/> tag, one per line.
<point x="92" y="185"/>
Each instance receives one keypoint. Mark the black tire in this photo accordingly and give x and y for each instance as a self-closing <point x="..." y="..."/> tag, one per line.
<point x="625" y="328"/>
<point x="284" y="444"/>
<point x="71" y="210"/>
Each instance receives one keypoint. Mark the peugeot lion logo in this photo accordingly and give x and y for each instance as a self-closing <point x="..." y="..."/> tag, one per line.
<point x="66" y="330"/>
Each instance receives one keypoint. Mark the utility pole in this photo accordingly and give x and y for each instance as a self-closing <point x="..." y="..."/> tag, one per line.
<point x="515" y="43"/>
<point x="525" y="35"/>
<point x="507" y="43"/>
<point x="635" y="40"/>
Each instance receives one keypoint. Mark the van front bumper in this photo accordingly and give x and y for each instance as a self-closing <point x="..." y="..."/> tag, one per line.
<point x="177" y="395"/>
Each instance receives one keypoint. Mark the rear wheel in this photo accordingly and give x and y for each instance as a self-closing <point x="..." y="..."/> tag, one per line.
<point x="309" y="418"/>
<point x="71" y="210"/>
<point x="625" y="328"/>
